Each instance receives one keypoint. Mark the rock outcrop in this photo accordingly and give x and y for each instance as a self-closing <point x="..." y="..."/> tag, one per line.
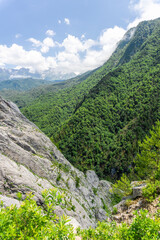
<point x="29" y="162"/>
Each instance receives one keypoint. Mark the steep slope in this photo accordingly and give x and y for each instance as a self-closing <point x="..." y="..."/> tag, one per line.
<point x="51" y="106"/>
<point x="29" y="162"/>
<point x="103" y="133"/>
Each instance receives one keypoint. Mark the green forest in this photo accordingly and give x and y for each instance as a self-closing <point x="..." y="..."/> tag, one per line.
<point x="97" y="119"/>
<point x="107" y="120"/>
<point x="30" y="221"/>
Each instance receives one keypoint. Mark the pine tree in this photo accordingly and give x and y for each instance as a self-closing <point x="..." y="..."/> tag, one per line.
<point x="148" y="160"/>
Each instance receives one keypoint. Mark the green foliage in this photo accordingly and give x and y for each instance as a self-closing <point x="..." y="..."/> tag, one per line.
<point x="58" y="177"/>
<point x="95" y="190"/>
<point x="148" y="160"/>
<point x="128" y="202"/>
<point x="77" y="181"/>
<point x="122" y="187"/>
<point x="151" y="191"/>
<point x="142" y="228"/>
<point x="19" y="196"/>
<point x="104" y="131"/>
<point x="115" y="210"/>
<point x="32" y="222"/>
<point x="96" y="120"/>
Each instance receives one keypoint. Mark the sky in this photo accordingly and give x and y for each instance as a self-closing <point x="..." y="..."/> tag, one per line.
<point x="66" y="35"/>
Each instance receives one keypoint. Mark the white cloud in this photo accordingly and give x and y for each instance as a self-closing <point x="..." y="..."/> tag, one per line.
<point x="35" y="42"/>
<point x="107" y="42"/>
<point x="67" y="21"/>
<point x="45" y="45"/>
<point x="33" y="60"/>
<point x="67" y="60"/>
<point x="72" y="44"/>
<point x="50" y="32"/>
<point x="75" y="54"/>
<point x="145" y="9"/>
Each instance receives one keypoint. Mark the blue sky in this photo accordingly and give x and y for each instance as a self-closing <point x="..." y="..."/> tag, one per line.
<point x="66" y="35"/>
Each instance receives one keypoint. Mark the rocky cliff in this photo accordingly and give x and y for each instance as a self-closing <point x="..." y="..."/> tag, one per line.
<point x="29" y="162"/>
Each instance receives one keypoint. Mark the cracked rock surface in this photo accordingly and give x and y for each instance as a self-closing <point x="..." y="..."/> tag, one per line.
<point x="30" y="162"/>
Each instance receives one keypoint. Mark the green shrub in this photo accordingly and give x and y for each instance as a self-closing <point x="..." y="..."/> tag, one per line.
<point x="122" y="187"/>
<point x="77" y="182"/>
<point x="95" y="190"/>
<point x="30" y="221"/>
<point x="151" y="191"/>
<point x="115" y="211"/>
<point x="142" y="228"/>
<point x="58" y="177"/>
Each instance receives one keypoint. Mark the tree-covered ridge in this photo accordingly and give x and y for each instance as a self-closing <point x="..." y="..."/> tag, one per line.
<point x="97" y="119"/>
<point x="49" y="107"/>
<point x="103" y="134"/>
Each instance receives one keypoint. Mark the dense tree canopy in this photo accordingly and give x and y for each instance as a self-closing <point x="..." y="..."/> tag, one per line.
<point x="97" y="119"/>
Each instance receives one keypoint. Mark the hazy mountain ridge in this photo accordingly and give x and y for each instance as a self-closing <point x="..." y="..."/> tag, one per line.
<point x="50" y="75"/>
<point x="22" y="84"/>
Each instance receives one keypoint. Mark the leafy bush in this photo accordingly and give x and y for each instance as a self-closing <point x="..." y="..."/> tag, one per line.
<point x="148" y="160"/>
<point x="142" y="227"/>
<point x="32" y="222"/>
<point x="115" y="210"/>
<point x="151" y="191"/>
<point x="122" y="187"/>
<point x="77" y="182"/>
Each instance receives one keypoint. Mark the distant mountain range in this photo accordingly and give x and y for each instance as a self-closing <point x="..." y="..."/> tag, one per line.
<point x="22" y="73"/>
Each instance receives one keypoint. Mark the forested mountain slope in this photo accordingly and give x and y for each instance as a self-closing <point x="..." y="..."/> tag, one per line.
<point x="23" y="96"/>
<point x="97" y="119"/>
<point x="50" y="106"/>
<point x="103" y="133"/>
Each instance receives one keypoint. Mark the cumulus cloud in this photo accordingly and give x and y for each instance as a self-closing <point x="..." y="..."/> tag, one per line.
<point x="35" y="42"/>
<point x="67" y="21"/>
<point x="72" y="44"/>
<point x="107" y="43"/>
<point x="33" y="60"/>
<point x="145" y="9"/>
<point x="45" y="45"/>
<point x="69" y="58"/>
<point x="95" y="53"/>
<point x="75" y="54"/>
<point x="50" y="32"/>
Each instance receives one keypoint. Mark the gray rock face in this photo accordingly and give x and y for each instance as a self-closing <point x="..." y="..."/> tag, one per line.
<point x="29" y="162"/>
<point x="7" y="201"/>
<point x="92" y="178"/>
<point x="137" y="191"/>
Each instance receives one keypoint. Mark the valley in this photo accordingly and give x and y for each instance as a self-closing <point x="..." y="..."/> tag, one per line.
<point x="82" y="147"/>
